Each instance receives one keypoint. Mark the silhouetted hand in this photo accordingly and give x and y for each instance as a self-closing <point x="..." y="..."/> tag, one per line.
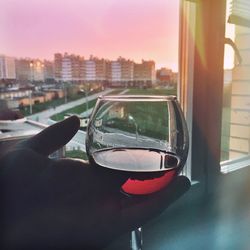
<point x="68" y="204"/>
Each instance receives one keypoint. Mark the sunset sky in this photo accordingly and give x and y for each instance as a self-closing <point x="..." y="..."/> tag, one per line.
<point x="134" y="29"/>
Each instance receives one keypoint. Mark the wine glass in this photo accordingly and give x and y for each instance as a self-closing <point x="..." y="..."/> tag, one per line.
<point x="144" y="135"/>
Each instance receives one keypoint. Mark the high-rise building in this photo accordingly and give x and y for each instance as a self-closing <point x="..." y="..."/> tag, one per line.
<point x="58" y="66"/>
<point x="23" y="72"/>
<point x="37" y="70"/>
<point x="66" y="73"/>
<point x="108" y="71"/>
<point x="77" y="68"/>
<point x="116" y="73"/>
<point x="121" y="72"/>
<point x="144" y="73"/>
<point x="28" y="69"/>
<point x="48" y="70"/>
<point x="127" y="69"/>
<point x="90" y="70"/>
<point x="101" y="67"/>
<point x="68" y="68"/>
<point x="7" y="67"/>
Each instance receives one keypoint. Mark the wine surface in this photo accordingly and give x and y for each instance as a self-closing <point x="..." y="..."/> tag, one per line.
<point x="136" y="159"/>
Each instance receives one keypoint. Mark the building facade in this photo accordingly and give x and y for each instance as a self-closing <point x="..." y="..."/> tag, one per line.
<point x="66" y="73"/>
<point x="121" y="72"/>
<point x="37" y="70"/>
<point x="144" y="73"/>
<point x="90" y="71"/>
<point x="58" y="66"/>
<point x="7" y="67"/>
<point x="48" y="71"/>
<point x="23" y="72"/>
<point x="101" y="68"/>
<point x="33" y="70"/>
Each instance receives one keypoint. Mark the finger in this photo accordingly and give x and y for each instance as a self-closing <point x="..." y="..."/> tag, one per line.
<point x="53" y="137"/>
<point x="139" y="210"/>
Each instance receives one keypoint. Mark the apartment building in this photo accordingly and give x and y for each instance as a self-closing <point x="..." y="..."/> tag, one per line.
<point x="69" y="68"/>
<point x="23" y="72"/>
<point x="66" y="73"/>
<point x="33" y="70"/>
<point x="165" y="76"/>
<point x="144" y="73"/>
<point x="121" y="72"/>
<point x="90" y="70"/>
<point x="101" y="68"/>
<point x="77" y="68"/>
<point x="116" y="73"/>
<point x="37" y="70"/>
<point x="7" y="67"/>
<point x="58" y="66"/>
<point x="48" y="70"/>
<point x="127" y="70"/>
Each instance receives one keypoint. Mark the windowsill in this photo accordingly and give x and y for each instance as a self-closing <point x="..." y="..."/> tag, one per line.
<point x="235" y="164"/>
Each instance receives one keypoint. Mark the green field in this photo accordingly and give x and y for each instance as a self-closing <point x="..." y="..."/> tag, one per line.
<point x="75" y="110"/>
<point x="76" y="154"/>
<point x="81" y="108"/>
<point x="38" y="107"/>
<point x="142" y="118"/>
<point x="153" y="91"/>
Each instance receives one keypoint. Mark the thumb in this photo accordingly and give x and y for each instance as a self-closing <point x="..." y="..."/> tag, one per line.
<point x="53" y="137"/>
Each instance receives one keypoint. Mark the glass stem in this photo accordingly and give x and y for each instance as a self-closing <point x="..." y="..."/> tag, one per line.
<point x="136" y="239"/>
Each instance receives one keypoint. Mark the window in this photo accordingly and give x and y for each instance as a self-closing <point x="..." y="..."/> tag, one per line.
<point x="68" y="53"/>
<point x="236" y="115"/>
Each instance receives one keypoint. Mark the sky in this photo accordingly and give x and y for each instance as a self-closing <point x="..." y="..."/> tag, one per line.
<point x="134" y="29"/>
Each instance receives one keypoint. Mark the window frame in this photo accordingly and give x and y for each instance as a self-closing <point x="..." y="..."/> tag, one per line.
<point x="204" y="74"/>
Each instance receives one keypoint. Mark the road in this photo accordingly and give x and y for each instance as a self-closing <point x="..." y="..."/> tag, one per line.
<point x="44" y="116"/>
<point x="78" y="141"/>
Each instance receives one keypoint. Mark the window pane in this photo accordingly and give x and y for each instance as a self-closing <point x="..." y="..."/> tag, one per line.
<point x="236" y="108"/>
<point x="57" y="58"/>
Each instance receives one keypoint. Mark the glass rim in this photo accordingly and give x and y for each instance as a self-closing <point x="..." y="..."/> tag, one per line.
<point x="138" y="97"/>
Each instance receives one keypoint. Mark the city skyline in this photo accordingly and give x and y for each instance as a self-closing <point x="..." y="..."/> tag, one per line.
<point x="90" y="57"/>
<point x="76" y="69"/>
<point x="132" y="29"/>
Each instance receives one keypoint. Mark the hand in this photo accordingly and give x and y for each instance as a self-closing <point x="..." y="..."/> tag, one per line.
<point x="68" y="204"/>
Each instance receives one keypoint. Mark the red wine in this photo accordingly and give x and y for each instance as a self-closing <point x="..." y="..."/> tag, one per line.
<point x="151" y="169"/>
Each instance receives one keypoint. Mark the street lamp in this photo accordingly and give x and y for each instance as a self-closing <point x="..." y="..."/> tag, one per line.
<point x="131" y="118"/>
<point x="86" y="97"/>
<point x="30" y="99"/>
<point x="65" y="92"/>
<point x="32" y="80"/>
